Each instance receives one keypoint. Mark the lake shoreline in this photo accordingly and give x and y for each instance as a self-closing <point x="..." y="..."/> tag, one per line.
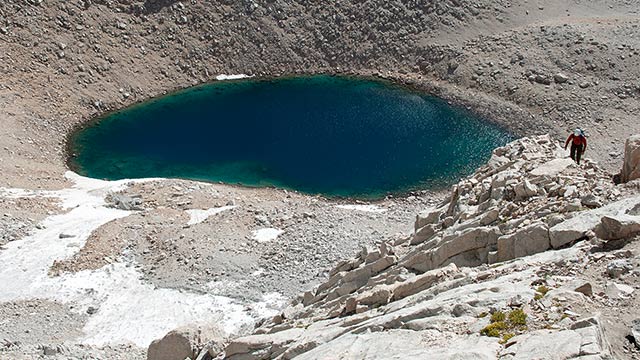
<point x="349" y="86"/>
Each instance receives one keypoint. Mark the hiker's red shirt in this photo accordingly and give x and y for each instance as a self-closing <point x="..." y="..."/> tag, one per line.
<point x="577" y="140"/>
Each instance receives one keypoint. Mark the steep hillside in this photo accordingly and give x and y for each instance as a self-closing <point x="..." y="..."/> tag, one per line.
<point x="66" y="62"/>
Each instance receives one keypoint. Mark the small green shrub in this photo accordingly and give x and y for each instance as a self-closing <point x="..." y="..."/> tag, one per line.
<point x="517" y="317"/>
<point x="541" y="291"/>
<point x="506" y="337"/>
<point x="505" y="326"/>
<point x="493" y="329"/>
<point x="497" y="316"/>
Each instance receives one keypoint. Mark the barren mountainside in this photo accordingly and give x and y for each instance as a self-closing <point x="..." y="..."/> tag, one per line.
<point x="65" y="62"/>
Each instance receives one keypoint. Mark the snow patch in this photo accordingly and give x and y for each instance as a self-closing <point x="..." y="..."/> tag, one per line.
<point x="129" y="310"/>
<point x="232" y="77"/>
<point x="270" y="301"/>
<point x="198" y="216"/>
<point x="266" y="234"/>
<point x="12" y="193"/>
<point x="365" y="208"/>
<point x="258" y="272"/>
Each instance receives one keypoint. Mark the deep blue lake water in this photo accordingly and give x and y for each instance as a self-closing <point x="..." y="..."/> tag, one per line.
<point x="330" y="135"/>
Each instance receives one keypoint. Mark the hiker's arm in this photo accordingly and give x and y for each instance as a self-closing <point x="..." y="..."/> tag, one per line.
<point x="585" y="145"/>
<point x="567" y="142"/>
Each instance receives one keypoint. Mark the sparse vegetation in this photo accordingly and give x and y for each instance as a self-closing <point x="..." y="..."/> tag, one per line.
<point x="506" y="326"/>
<point x="517" y="317"/>
<point x="497" y="316"/>
<point x="541" y="291"/>
<point x="493" y="329"/>
<point x="506" y="337"/>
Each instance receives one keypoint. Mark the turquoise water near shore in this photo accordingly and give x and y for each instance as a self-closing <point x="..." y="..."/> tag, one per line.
<point x="335" y="136"/>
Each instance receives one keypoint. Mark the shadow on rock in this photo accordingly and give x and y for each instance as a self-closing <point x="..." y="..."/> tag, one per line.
<point x="154" y="6"/>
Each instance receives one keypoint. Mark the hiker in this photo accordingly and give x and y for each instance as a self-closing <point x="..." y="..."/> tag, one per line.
<point x="578" y="144"/>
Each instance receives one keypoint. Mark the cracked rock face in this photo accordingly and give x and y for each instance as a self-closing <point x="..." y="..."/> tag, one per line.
<point x="433" y="294"/>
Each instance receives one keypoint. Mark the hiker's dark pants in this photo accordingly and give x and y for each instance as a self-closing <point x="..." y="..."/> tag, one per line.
<point x="576" y="152"/>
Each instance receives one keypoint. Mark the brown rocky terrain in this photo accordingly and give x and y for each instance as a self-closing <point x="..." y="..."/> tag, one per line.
<point x="64" y="63"/>
<point x="71" y="247"/>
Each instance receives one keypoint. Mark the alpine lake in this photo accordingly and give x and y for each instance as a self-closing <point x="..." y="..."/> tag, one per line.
<point x="328" y="135"/>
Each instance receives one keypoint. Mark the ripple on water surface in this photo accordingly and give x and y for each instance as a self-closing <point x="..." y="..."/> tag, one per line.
<point x="330" y="135"/>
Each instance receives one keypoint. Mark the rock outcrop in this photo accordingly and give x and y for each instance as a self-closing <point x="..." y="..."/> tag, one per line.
<point x="481" y="252"/>
<point x="192" y="342"/>
<point x="631" y="163"/>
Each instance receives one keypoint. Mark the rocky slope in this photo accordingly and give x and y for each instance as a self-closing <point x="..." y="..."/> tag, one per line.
<point x="548" y="66"/>
<point x="531" y="257"/>
<point x="102" y="268"/>
<point x="532" y="249"/>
